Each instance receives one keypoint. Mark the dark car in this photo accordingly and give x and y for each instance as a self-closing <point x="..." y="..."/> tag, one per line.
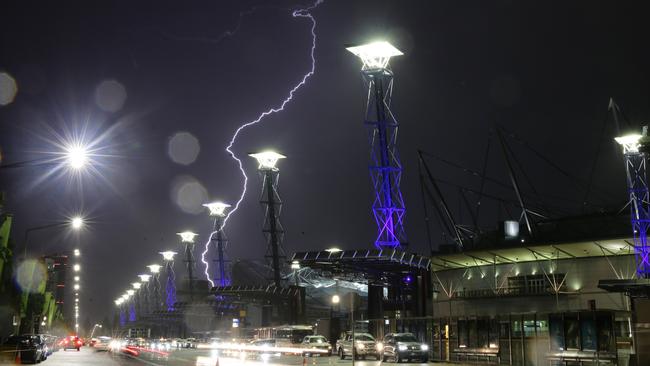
<point x="404" y="346"/>
<point x="27" y="348"/>
<point x="71" y="342"/>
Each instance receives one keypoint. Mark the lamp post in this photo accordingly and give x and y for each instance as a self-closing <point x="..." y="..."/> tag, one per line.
<point x="154" y="269"/>
<point x="93" y="331"/>
<point x="270" y="198"/>
<point x="76" y="223"/>
<point x="74" y="156"/>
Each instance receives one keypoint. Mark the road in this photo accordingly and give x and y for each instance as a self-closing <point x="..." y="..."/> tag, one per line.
<point x="89" y="357"/>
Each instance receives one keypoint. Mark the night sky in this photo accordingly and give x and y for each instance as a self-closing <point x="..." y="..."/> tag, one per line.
<point x="542" y="69"/>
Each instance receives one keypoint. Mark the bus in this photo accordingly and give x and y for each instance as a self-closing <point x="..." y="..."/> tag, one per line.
<point x="285" y="335"/>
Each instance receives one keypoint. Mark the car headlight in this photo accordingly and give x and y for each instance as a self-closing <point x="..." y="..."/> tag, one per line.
<point x="360" y="346"/>
<point x="380" y="346"/>
<point x="402" y="347"/>
<point x="424" y="347"/>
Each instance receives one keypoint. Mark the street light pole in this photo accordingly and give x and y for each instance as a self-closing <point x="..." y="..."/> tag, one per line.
<point x="93" y="331"/>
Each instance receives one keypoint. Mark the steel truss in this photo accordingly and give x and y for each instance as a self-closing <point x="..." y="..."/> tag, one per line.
<point x="385" y="166"/>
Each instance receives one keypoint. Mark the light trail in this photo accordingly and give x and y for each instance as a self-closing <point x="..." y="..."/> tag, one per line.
<point x="299" y="13"/>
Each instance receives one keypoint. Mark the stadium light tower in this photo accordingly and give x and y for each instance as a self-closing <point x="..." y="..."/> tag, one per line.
<point x="187" y="238"/>
<point x="385" y="166"/>
<point x="218" y="211"/>
<point x="170" y="286"/>
<point x="270" y="200"/>
<point x="634" y="150"/>
<point x="154" y="287"/>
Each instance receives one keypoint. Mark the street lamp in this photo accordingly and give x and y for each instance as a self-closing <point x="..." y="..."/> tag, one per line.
<point x="336" y="299"/>
<point x="76" y="156"/>
<point x="136" y="285"/>
<point x="267" y="159"/>
<point x="187" y="236"/>
<point x="77" y="253"/>
<point x="93" y="331"/>
<point x="144" y="277"/>
<point x="76" y="268"/>
<point x="167" y="255"/>
<point x="217" y="208"/>
<point x="154" y="268"/>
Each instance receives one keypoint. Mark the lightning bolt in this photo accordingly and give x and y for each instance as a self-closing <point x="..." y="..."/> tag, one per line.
<point x="299" y="13"/>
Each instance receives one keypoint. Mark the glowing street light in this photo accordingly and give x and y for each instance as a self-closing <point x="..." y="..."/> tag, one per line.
<point x="295" y="265"/>
<point x="77" y="253"/>
<point x="154" y="268"/>
<point x="76" y="286"/>
<point x="76" y="268"/>
<point x="187" y="236"/>
<point x="217" y="208"/>
<point x="267" y="159"/>
<point x="333" y="250"/>
<point x="168" y="255"/>
<point x="76" y="156"/>
<point x="77" y="222"/>
<point x="136" y="285"/>
<point x="630" y="143"/>
<point x="76" y="278"/>
<point x="130" y="292"/>
<point x="375" y="55"/>
<point x="144" y="277"/>
<point x="336" y="299"/>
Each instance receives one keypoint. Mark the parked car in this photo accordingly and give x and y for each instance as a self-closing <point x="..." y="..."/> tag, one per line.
<point x="317" y="342"/>
<point x="71" y="342"/>
<point x="399" y="347"/>
<point x="29" y="348"/>
<point x="364" y="345"/>
<point x="51" y="342"/>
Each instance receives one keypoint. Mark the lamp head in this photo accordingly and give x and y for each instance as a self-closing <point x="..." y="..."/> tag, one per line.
<point x="187" y="236"/>
<point x="77" y="222"/>
<point x="336" y="299"/>
<point x="144" y="277"/>
<point x="375" y="55"/>
<point x="217" y="208"/>
<point x="136" y="285"/>
<point x="168" y="255"/>
<point x="154" y="268"/>
<point x="267" y="160"/>
<point x="76" y="156"/>
<point x="130" y="292"/>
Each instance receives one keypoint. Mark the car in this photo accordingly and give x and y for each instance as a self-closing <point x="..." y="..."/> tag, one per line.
<point x="399" y="347"/>
<point x="364" y="345"/>
<point x="71" y="342"/>
<point x="27" y="348"/>
<point x="317" y="342"/>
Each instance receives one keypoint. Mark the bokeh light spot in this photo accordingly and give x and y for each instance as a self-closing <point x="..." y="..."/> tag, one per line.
<point x="189" y="194"/>
<point x="110" y="95"/>
<point x="183" y="148"/>
<point x="8" y="88"/>
<point x="31" y="275"/>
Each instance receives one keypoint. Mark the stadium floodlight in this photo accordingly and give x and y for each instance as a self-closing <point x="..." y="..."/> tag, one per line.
<point x="267" y="159"/>
<point x="77" y="222"/>
<point x="216" y="208"/>
<point x="154" y="268"/>
<point x="76" y="156"/>
<point x="168" y="255"/>
<point x="144" y="277"/>
<point x="130" y="292"/>
<point x="630" y="143"/>
<point x="375" y="55"/>
<point x="136" y="285"/>
<point x="187" y="236"/>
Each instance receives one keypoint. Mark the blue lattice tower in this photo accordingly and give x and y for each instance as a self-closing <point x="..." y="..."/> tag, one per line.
<point x="187" y="238"/>
<point x="170" y="283"/>
<point x="272" y="205"/>
<point x="385" y="166"/>
<point x="634" y="149"/>
<point x="220" y="261"/>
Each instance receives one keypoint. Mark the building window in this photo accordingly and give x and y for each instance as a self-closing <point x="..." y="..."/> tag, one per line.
<point x="536" y="284"/>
